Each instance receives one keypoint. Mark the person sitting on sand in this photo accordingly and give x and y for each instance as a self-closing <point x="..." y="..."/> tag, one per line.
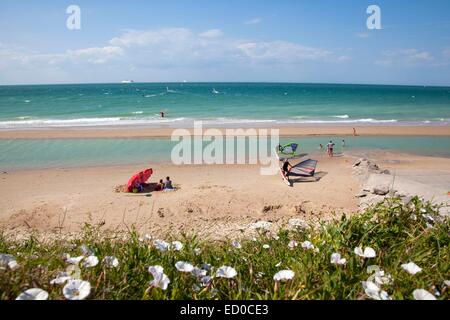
<point x="286" y="167"/>
<point x="168" y="184"/>
<point x="160" y="185"/>
<point x="330" y="147"/>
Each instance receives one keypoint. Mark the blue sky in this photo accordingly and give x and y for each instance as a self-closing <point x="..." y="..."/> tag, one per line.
<point x="218" y="40"/>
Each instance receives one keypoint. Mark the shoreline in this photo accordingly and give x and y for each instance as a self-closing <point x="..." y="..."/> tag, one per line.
<point x="166" y="132"/>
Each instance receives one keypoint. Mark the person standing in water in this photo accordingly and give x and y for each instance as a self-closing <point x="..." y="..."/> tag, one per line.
<point x="343" y="143"/>
<point x="354" y="132"/>
<point x="330" y="147"/>
<point x="162" y="114"/>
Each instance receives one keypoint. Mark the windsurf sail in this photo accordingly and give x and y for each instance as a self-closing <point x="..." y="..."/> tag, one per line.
<point x="288" y="149"/>
<point x="304" y="168"/>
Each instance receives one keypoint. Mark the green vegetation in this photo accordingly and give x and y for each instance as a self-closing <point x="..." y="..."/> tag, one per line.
<point x="398" y="233"/>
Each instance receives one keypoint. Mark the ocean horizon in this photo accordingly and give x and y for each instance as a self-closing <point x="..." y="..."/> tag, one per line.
<point x="220" y="104"/>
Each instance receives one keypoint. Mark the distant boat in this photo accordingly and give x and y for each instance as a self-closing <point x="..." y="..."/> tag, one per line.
<point x="127" y="81"/>
<point x="215" y="91"/>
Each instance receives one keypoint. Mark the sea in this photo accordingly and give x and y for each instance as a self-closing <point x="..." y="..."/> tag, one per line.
<point x="217" y="105"/>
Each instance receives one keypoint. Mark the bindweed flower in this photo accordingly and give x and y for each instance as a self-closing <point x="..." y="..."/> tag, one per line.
<point x="197" y="251"/>
<point x="276" y="237"/>
<point x="367" y="253"/>
<point x="411" y="268"/>
<point x="33" y="294"/>
<point x="206" y="266"/>
<point x="62" y="277"/>
<point x="261" y="225"/>
<point x="336" y="259"/>
<point x="184" y="266"/>
<point x="307" y="245"/>
<point x="74" y="260"/>
<point x="198" y="272"/>
<point x="292" y="244"/>
<point x="90" y="262"/>
<point x="177" y="245"/>
<point x="87" y="251"/>
<point x="237" y="244"/>
<point x="161" y="245"/>
<point x="77" y="289"/>
<point x="226" y="272"/>
<point x="160" y="280"/>
<point x="266" y="246"/>
<point x="422" y="294"/>
<point x="8" y="260"/>
<point x="374" y="292"/>
<point x="206" y="280"/>
<point x="111" y="262"/>
<point x="297" y="222"/>
<point x="284" y="275"/>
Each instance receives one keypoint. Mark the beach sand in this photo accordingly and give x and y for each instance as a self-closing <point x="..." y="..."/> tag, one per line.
<point x="304" y="130"/>
<point x="213" y="201"/>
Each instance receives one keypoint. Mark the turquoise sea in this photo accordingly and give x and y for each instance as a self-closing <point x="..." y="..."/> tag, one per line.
<point x="61" y="153"/>
<point x="220" y="104"/>
<point x="217" y="104"/>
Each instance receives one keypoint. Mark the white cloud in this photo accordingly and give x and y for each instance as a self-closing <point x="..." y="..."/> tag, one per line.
<point x="253" y="21"/>
<point x="405" y="57"/>
<point x="152" y="37"/>
<point x="446" y="53"/>
<point x="213" y="33"/>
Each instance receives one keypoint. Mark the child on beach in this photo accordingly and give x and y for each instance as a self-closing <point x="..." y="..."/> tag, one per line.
<point x="160" y="185"/>
<point x="330" y="147"/>
<point x="168" y="184"/>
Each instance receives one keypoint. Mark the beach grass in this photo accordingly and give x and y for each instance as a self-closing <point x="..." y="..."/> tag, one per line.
<point x="398" y="233"/>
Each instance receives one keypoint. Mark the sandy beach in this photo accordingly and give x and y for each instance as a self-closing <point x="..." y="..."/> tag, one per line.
<point x="304" y="130"/>
<point x="214" y="201"/>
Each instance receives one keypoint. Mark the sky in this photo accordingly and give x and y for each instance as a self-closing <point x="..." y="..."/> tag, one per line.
<point x="321" y="41"/>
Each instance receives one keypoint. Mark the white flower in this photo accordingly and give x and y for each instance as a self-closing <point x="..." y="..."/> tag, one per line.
<point x="275" y="237"/>
<point x="284" y="275"/>
<point x="74" y="260"/>
<point x="297" y="222"/>
<point x="197" y="251"/>
<point x="8" y="260"/>
<point x="33" y="294"/>
<point x="421" y="294"/>
<point x="77" y="289"/>
<point x="411" y="268"/>
<point x="382" y="277"/>
<point x="87" y="251"/>
<point x="261" y="225"/>
<point x="292" y="244"/>
<point x="111" y="262"/>
<point x="184" y="266"/>
<point x="205" y="280"/>
<point x="62" y="277"/>
<point x="336" y="259"/>
<point x="374" y="292"/>
<point x="161" y="245"/>
<point x="90" y="262"/>
<point x="160" y="280"/>
<point x="226" y="272"/>
<point x="198" y="272"/>
<point x="367" y="253"/>
<point x="155" y="269"/>
<point x="307" y="245"/>
<point x="177" y="245"/>
<point x="237" y="244"/>
<point x="148" y="237"/>
<point x="266" y="246"/>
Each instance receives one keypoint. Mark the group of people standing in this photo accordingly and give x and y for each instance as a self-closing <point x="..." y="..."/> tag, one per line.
<point x="330" y="147"/>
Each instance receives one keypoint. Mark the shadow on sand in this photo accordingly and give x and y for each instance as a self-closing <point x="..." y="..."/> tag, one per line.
<point x="300" y="178"/>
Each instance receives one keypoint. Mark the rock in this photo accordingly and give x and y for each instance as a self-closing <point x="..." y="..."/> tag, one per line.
<point x="362" y="194"/>
<point x="385" y="171"/>
<point x="380" y="190"/>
